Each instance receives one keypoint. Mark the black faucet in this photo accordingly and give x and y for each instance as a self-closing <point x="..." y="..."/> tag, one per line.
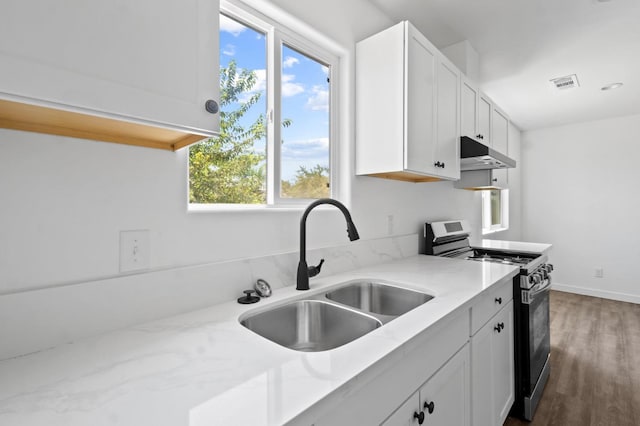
<point x="304" y="271"/>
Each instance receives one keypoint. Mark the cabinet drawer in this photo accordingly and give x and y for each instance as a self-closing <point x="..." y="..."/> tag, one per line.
<point x="490" y="303"/>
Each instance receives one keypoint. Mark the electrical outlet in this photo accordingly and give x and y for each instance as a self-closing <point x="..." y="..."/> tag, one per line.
<point x="135" y="250"/>
<point x="598" y="273"/>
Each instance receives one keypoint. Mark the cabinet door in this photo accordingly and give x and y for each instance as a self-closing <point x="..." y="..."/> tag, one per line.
<point x="143" y="60"/>
<point x="500" y="142"/>
<point x="445" y="398"/>
<point x="469" y="98"/>
<point x="484" y="119"/>
<point x="482" y="407"/>
<point x="492" y="369"/>
<point x="503" y="365"/>
<point x="448" y="125"/>
<point x="420" y="103"/>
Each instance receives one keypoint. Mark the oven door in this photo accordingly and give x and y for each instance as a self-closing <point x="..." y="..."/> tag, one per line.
<point x="535" y="304"/>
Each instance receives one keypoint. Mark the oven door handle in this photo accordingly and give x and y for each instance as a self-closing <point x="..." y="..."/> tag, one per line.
<point x="540" y="288"/>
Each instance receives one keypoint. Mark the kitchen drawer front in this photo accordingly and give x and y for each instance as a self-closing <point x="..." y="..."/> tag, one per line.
<point x="490" y="304"/>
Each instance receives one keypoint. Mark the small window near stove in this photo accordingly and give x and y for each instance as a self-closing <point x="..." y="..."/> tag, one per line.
<point x="495" y="210"/>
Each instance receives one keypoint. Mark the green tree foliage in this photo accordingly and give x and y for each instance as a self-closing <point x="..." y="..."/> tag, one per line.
<point x="226" y="169"/>
<point x="308" y="183"/>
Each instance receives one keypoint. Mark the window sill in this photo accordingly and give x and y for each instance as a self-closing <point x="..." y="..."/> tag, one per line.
<point x="252" y="208"/>
<point x="493" y="231"/>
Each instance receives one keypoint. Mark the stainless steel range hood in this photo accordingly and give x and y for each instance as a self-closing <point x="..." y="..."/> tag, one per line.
<point x="478" y="156"/>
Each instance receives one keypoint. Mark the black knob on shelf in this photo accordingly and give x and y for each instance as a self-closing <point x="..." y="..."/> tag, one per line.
<point x="499" y="300"/>
<point x="494" y="179"/>
<point x="443" y="166"/>
<point x="429" y="407"/>
<point x="211" y="106"/>
<point x="419" y="416"/>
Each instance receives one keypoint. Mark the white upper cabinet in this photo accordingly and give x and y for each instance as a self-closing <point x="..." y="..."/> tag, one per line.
<point x="500" y="142"/>
<point x="152" y="65"/>
<point x="469" y="98"/>
<point x="407" y="108"/>
<point x="484" y="119"/>
<point x="420" y="94"/>
<point x="476" y="110"/>
<point x="448" y="119"/>
<point x="499" y="130"/>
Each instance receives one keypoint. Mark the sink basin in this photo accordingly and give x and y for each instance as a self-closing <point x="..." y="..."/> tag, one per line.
<point x="378" y="298"/>
<point x="310" y="325"/>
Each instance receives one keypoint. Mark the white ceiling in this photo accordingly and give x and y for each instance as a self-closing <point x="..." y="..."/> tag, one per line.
<point x="523" y="44"/>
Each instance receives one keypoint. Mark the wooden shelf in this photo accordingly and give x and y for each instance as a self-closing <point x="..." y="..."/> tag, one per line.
<point x="43" y="119"/>
<point x="405" y="176"/>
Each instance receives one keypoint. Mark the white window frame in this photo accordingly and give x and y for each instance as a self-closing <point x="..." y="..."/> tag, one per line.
<point x="487" y="227"/>
<point x="278" y="35"/>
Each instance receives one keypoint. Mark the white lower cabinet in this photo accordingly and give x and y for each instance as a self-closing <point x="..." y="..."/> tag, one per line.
<point x="442" y="400"/>
<point x="457" y="373"/>
<point x="492" y="369"/>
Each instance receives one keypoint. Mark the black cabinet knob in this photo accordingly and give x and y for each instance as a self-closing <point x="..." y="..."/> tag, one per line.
<point x="419" y="416"/>
<point x="429" y="407"/>
<point x="499" y="300"/>
<point x="497" y="328"/>
<point x="211" y="106"/>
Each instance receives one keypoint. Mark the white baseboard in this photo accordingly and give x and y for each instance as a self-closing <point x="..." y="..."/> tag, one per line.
<point x="622" y="297"/>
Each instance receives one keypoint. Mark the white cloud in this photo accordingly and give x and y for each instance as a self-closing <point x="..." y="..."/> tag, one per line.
<point x="316" y="149"/>
<point x="290" y="61"/>
<point x="230" y="26"/>
<point x="261" y="80"/>
<point x="229" y="50"/>
<point x="289" y="87"/>
<point x="319" y="99"/>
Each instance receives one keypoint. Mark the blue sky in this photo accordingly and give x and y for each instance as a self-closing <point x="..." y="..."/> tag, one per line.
<point x="305" y="95"/>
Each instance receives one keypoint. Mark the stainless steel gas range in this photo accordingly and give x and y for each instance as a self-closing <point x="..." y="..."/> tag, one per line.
<point x="531" y="304"/>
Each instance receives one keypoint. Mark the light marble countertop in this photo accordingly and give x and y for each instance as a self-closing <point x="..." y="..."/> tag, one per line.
<point x="516" y="246"/>
<point x="204" y="368"/>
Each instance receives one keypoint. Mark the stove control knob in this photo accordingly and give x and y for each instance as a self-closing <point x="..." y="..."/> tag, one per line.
<point x="535" y="278"/>
<point x="549" y="267"/>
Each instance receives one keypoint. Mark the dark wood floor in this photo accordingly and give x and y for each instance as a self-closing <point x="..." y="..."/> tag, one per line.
<point x="595" y="364"/>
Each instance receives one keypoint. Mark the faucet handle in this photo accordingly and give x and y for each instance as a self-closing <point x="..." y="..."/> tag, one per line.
<point x="315" y="270"/>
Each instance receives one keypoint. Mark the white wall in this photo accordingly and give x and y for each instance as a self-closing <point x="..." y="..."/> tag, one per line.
<point x="580" y="193"/>
<point x="64" y="201"/>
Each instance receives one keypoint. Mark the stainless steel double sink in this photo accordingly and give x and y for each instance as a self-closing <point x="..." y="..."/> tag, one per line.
<point x="331" y="319"/>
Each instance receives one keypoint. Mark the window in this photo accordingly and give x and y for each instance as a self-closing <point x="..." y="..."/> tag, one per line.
<point x="495" y="210"/>
<point x="277" y="119"/>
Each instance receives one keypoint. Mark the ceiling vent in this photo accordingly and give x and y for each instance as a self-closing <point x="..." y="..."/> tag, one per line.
<point x="568" y="82"/>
